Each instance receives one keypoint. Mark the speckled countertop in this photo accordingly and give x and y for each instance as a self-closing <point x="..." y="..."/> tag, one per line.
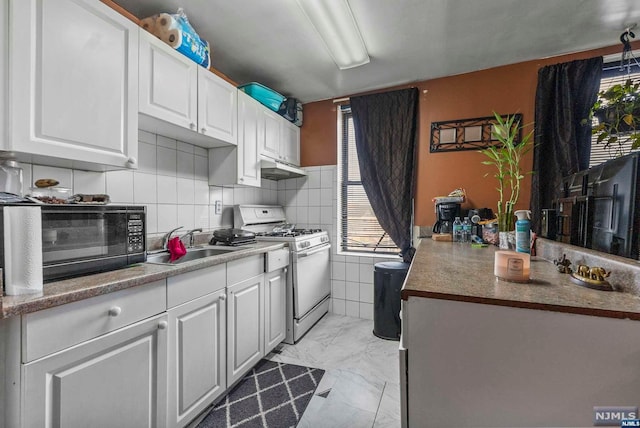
<point x="74" y="289"/>
<point x="445" y="270"/>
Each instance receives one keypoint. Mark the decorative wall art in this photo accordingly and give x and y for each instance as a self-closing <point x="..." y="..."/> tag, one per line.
<point x="466" y="134"/>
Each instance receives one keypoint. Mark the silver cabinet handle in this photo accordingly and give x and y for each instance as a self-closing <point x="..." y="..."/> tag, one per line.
<point x="115" y="311"/>
<point x="163" y="325"/>
<point x="223" y="297"/>
<point x="192" y="125"/>
<point x="132" y="161"/>
<point x="203" y="130"/>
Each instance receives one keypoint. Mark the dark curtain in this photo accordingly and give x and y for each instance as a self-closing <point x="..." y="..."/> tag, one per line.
<point x="564" y="96"/>
<point x="385" y="127"/>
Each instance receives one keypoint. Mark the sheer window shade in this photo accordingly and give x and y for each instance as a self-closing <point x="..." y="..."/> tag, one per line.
<point x="611" y="75"/>
<point x="360" y="230"/>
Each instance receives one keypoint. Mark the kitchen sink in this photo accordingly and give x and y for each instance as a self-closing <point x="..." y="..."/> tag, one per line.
<point x="192" y="254"/>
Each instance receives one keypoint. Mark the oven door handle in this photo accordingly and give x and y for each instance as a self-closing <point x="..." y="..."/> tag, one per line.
<point x="314" y="250"/>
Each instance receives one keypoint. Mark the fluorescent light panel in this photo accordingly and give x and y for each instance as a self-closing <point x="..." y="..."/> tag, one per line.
<point x="334" y="22"/>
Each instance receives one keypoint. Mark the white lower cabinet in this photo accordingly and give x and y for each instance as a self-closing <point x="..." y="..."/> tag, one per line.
<point x="155" y="355"/>
<point x="245" y="334"/>
<point x="275" y="300"/>
<point x="116" y="380"/>
<point x="197" y="355"/>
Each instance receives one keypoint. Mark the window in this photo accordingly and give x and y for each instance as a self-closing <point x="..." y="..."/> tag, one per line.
<point x="359" y="227"/>
<point x="612" y="74"/>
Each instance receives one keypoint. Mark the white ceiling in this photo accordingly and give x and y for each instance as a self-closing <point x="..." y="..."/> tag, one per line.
<point x="272" y="42"/>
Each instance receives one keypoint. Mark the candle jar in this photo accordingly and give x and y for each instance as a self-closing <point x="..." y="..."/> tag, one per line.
<point x="512" y="266"/>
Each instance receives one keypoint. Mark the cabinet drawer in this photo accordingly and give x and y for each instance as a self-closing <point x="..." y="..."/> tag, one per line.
<point x="276" y="259"/>
<point x="191" y="285"/>
<point x="51" y="330"/>
<point x="248" y="267"/>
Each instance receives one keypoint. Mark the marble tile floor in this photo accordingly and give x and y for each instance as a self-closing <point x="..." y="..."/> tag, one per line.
<point x="361" y="385"/>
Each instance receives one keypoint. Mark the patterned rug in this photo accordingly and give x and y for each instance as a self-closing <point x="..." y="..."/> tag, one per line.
<point x="272" y="395"/>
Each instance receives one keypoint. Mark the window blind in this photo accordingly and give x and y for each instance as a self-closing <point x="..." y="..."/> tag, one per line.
<point x="360" y="230"/>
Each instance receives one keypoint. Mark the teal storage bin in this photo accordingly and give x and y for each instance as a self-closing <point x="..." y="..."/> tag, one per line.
<point x="264" y="95"/>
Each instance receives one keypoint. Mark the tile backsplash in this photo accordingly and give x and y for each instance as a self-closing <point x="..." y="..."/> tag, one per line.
<point x="171" y="180"/>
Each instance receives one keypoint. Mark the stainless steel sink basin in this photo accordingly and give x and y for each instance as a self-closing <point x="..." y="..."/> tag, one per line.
<point x="192" y="254"/>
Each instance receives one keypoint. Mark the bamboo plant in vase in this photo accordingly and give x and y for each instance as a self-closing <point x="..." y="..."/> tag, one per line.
<point x="506" y="158"/>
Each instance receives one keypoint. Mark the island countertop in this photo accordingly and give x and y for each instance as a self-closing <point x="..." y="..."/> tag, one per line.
<point x="454" y="271"/>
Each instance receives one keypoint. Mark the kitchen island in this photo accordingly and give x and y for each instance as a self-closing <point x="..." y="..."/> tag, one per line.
<point x="477" y="351"/>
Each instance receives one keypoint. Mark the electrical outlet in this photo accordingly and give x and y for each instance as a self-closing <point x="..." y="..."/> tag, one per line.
<point x="217" y="207"/>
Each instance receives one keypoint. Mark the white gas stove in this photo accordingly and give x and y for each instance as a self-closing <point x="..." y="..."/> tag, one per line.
<point x="309" y="279"/>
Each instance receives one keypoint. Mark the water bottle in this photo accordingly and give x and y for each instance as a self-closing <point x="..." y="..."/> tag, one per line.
<point x="457" y="230"/>
<point x="523" y="232"/>
<point x="466" y="230"/>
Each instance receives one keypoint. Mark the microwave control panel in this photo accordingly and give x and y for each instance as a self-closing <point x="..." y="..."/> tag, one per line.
<point x="135" y="233"/>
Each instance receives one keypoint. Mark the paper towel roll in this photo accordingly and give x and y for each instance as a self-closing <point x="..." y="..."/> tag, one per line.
<point x="172" y="37"/>
<point x="149" y="23"/>
<point x="22" y="250"/>
<point x="165" y="22"/>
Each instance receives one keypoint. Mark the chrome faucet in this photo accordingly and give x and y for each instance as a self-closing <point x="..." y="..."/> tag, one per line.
<point x="167" y="237"/>
<point x="190" y="235"/>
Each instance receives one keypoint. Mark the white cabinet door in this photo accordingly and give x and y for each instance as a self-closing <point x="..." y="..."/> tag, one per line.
<point x="116" y="380"/>
<point x="245" y="334"/>
<point x="168" y="83"/>
<point x="74" y="87"/>
<point x="217" y="107"/>
<point x="4" y="55"/>
<point x="290" y="143"/>
<point x="249" y="130"/>
<point x="197" y="356"/>
<point x="270" y="138"/>
<point x="275" y="300"/>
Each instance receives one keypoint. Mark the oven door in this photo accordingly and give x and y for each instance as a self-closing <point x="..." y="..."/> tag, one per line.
<point x="311" y="279"/>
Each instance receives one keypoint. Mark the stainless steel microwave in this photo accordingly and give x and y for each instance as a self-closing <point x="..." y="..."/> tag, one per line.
<point x="83" y="239"/>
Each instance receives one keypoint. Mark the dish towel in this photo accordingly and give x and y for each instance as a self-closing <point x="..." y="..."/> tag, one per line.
<point x="176" y="248"/>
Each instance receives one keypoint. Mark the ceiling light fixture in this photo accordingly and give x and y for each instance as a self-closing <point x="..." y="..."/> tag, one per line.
<point x="334" y="22"/>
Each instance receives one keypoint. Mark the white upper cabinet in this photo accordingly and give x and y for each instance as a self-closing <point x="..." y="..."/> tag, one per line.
<point x="240" y="164"/>
<point x="73" y="92"/>
<point x="182" y="100"/>
<point x="168" y="83"/>
<point x="217" y="111"/>
<point x="270" y="141"/>
<point x="249" y="131"/>
<point x="280" y="139"/>
<point x="290" y="143"/>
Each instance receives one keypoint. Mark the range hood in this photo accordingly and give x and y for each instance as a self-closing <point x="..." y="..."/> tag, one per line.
<point x="274" y="170"/>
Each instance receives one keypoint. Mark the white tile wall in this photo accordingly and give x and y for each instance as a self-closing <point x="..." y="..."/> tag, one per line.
<point x="312" y="201"/>
<point x="171" y="180"/>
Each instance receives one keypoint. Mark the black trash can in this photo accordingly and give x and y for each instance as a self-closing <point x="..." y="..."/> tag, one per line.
<point x="388" y="278"/>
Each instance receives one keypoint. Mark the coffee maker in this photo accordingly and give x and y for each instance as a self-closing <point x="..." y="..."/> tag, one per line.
<point x="446" y="213"/>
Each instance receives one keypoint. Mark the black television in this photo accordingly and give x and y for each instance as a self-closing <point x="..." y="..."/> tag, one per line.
<point x="616" y="206"/>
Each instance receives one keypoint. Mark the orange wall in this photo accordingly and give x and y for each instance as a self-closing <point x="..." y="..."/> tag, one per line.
<point x="505" y="90"/>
